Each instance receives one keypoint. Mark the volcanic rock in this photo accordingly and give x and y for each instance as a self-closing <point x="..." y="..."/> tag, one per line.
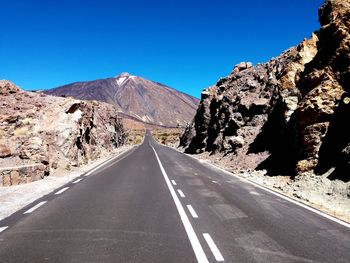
<point x="53" y="132"/>
<point x="137" y="98"/>
<point x="290" y="112"/>
<point x="4" y="151"/>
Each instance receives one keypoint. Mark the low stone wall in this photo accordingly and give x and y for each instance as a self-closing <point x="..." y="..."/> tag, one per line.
<point x="21" y="174"/>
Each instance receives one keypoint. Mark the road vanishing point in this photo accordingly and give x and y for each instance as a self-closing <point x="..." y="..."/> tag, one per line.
<point x="155" y="204"/>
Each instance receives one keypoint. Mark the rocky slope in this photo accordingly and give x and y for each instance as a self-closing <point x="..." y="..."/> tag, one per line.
<point x="288" y="115"/>
<point x="145" y="100"/>
<point x="37" y="130"/>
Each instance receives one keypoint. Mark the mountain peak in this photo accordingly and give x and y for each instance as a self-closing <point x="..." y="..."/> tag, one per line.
<point x="136" y="97"/>
<point x="124" y="75"/>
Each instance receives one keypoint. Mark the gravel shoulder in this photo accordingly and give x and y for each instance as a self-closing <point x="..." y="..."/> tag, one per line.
<point x="14" y="198"/>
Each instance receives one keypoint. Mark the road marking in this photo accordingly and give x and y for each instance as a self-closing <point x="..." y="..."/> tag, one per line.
<point x="181" y="193"/>
<point x="214" y="249"/>
<point x="341" y="222"/>
<point x="298" y="203"/>
<point x="61" y="191"/>
<point x="110" y="160"/>
<point x="254" y="193"/>
<point x="173" y="182"/>
<point x="93" y="170"/>
<point x="196" y="246"/>
<point x="193" y="213"/>
<point x="77" y="181"/>
<point x="34" y="207"/>
<point x="3" y="228"/>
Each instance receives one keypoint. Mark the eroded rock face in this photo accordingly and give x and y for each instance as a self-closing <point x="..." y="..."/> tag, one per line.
<point x="232" y="114"/>
<point x="323" y="112"/>
<point x="55" y="132"/>
<point x="290" y="113"/>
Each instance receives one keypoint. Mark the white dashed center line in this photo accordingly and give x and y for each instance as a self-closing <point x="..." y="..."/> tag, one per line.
<point x="181" y="193"/>
<point x="196" y="245"/>
<point x="34" y="207"/>
<point x="77" y="181"/>
<point x="214" y="249"/>
<point x="3" y="228"/>
<point x="254" y="193"/>
<point x="173" y="182"/>
<point x="61" y="191"/>
<point x="193" y="213"/>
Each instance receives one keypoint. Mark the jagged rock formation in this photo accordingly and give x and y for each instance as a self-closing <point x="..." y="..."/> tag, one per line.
<point x="55" y="132"/>
<point x="141" y="99"/>
<point x="288" y="114"/>
<point x="323" y="112"/>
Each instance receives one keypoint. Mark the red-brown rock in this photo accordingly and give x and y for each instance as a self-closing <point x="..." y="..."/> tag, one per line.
<point x="4" y="151"/>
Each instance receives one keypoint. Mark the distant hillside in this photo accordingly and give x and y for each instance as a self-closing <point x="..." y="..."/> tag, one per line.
<point x="145" y="100"/>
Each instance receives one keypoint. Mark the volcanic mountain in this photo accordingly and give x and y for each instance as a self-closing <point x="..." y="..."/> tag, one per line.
<point x="138" y="98"/>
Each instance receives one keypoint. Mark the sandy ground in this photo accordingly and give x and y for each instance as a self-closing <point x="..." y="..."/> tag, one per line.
<point x="13" y="198"/>
<point x="329" y="196"/>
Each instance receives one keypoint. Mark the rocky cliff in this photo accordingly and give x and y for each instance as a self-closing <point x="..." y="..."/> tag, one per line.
<point x="141" y="99"/>
<point x="53" y="132"/>
<point x="287" y="115"/>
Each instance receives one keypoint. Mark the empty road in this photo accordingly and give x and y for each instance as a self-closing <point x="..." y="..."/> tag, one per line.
<point x="154" y="204"/>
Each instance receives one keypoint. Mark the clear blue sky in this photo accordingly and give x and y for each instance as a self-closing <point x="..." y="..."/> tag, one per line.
<point x="185" y="44"/>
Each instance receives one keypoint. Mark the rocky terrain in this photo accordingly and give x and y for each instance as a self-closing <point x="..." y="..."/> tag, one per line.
<point x="169" y="137"/>
<point x="283" y="124"/>
<point x="289" y="115"/>
<point x="137" y="98"/>
<point x="39" y="133"/>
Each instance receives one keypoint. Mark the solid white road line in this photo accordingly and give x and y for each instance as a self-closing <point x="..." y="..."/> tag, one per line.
<point x="196" y="246"/>
<point x="61" y="191"/>
<point x="181" y="193"/>
<point x="108" y="161"/>
<point x="3" y="228"/>
<point x="34" y="207"/>
<point x="214" y="249"/>
<point x="334" y="219"/>
<point x="77" y="181"/>
<point x="193" y="213"/>
<point x="173" y="182"/>
<point x="298" y="203"/>
<point x="100" y="165"/>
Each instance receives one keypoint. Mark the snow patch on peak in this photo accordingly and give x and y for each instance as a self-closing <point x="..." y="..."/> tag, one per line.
<point x="121" y="80"/>
<point x="123" y="77"/>
<point x="124" y="74"/>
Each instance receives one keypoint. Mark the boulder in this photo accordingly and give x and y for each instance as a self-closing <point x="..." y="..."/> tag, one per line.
<point x="4" y="151"/>
<point x="233" y="142"/>
<point x="242" y="66"/>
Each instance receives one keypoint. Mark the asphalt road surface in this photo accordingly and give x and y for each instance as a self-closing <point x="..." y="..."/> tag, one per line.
<point x="154" y="204"/>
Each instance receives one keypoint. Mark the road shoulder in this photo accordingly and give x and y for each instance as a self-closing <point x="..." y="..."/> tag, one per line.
<point x="312" y="192"/>
<point x="14" y="198"/>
